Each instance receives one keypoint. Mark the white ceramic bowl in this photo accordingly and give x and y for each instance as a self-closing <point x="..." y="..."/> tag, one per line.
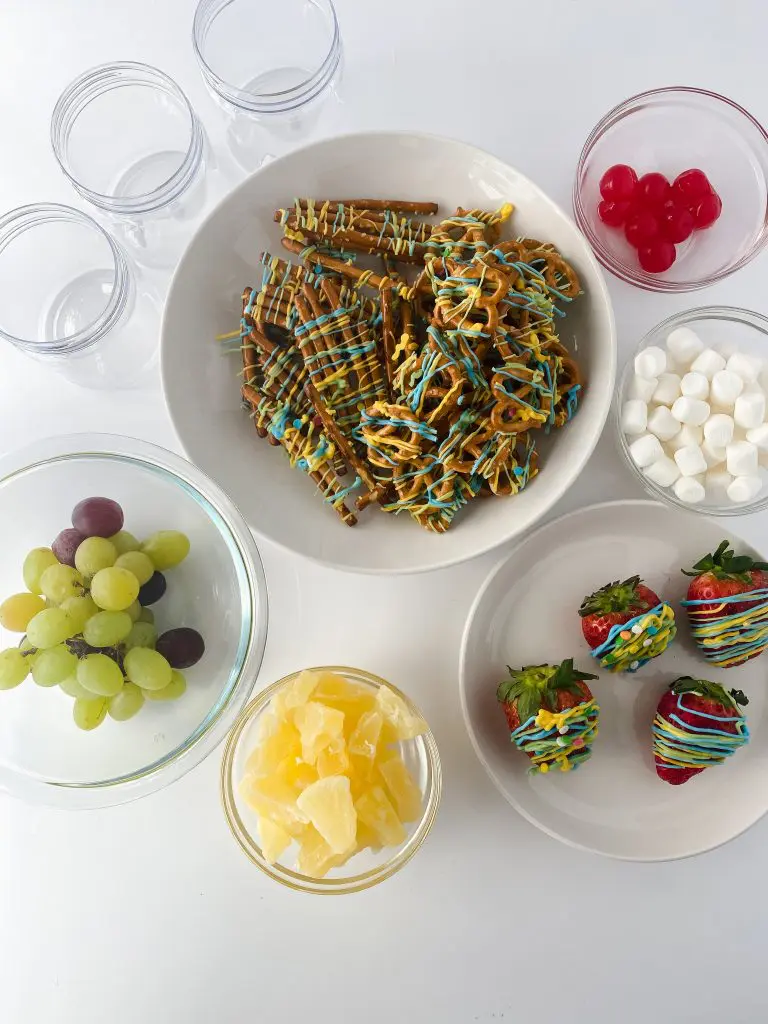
<point x="202" y="388"/>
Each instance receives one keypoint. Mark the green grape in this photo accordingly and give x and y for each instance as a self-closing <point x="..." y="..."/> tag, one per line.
<point x="114" y="589"/>
<point x="14" y="668"/>
<point x="124" y="541"/>
<point x="79" y="609"/>
<point x="146" y="615"/>
<point x="72" y="688"/>
<point x="35" y="564"/>
<point x="172" y="691"/>
<point x="94" y="553"/>
<point x="100" y="675"/>
<point x="166" y="548"/>
<point x="53" y="665"/>
<point x="105" y="629"/>
<point x="143" y="634"/>
<point x="90" y="712"/>
<point x="50" y="627"/>
<point x="134" y="610"/>
<point x="127" y="703"/>
<point x="59" y="582"/>
<point x="147" y="668"/>
<point x="139" y="564"/>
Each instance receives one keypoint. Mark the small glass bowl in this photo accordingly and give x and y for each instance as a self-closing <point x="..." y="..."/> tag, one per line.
<point x="219" y="589"/>
<point x="670" y="130"/>
<point x="728" y="330"/>
<point x="420" y="756"/>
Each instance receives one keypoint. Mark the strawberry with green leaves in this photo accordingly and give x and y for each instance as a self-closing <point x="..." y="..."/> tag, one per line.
<point x="727" y="605"/>
<point x="698" y="725"/>
<point x="626" y="624"/>
<point x="551" y="714"/>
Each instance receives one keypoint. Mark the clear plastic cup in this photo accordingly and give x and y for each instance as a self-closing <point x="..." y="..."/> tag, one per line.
<point x="270" y="67"/>
<point x="70" y="296"/>
<point x="129" y="141"/>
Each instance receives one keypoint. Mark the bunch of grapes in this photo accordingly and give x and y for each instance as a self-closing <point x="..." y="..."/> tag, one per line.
<point x="87" y="622"/>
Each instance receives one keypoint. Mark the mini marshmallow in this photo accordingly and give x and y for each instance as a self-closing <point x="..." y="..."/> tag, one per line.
<point x="667" y="389"/>
<point x="689" y="490"/>
<point x="744" y="488"/>
<point x="726" y="388"/>
<point x="716" y="482"/>
<point x="758" y="436"/>
<point x="708" y="362"/>
<point x="663" y="471"/>
<point x="684" y="345"/>
<point x="695" y="385"/>
<point x="634" y="417"/>
<point x="741" y="458"/>
<point x="662" y="423"/>
<point x="713" y="454"/>
<point x="749" y="410"/>
<point x="690" y="460"/>
<point x="651" y="362"/>
<point x="688" y="435"/>
<point x="718" y="429"/>
<point x="690" y="410"/>
<point x="744" y="366"/>
<point x="642" y="388"/>
<point x="645" y="450"/>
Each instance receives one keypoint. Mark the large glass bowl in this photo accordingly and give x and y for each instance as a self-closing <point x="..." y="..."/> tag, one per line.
<point x="219" y="589"/>
<point x="366" y="868"/>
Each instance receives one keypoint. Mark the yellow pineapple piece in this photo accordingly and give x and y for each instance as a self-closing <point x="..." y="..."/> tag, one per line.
<point x="295" y="693"/>
<point x="328" y="806"/>
<point x="367" y="839"/>
<point x="351" y="698"/>
<point x="318" y="726"/>
<point x="402" y="788"/>
<point x="333" y="759"/>
<point x="273" y="798"/>
<point x="296" y="773"/>
<point x="374" y="810"/>
<point x="363" y="743"/>
<point x="282" y="742"/>
<point x="316" y="858"/>
<point x="403" y="725"/>
<point x="274" y="840"/>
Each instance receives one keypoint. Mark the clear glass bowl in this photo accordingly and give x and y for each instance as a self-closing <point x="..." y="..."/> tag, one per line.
<point x="729" y="330"/>
<point x="219" y="589"/>
<point x="420" y="756"/>
<point x="670" y="130"/>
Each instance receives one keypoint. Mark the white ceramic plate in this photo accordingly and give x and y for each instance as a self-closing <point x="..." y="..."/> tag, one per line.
<point x="202" y="387"/>
<point x="527" y="613"/>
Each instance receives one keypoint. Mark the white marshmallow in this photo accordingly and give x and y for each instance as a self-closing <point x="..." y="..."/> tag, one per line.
<point x="744" y="366"/>
<point x="642" y="388"/>
<point x="716" y="483"/>
<point x="759" y="437"/>
<point x="645" y="450"/>
<point x="718" y="429"/>
<point x="690" y="460"/>
<point x="741" y="458"/>
<point x="713" y="454"/>
<point x="695" y="385"/>
<point x="663" y="471"/>
<point x="726" y="388"/>
<point x="662" y="423"/>
<point x="651" y="362"/>
<point x="744" y="488"/>
<point x="708" y="362"/>
<point x="749" y="410"/>
<point x="688" y="435"/>
<point x="690" y="410"/>
<point x="689" y="490"/>
<point x="667" y="389"/>
<point x="684" y="345"/>
<point x="634" y="417"/>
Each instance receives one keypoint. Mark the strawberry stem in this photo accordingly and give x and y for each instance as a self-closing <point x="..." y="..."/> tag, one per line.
<point x="724" y="564"/>
<point x="614" y="597"/>
<point x="536" y="686"/>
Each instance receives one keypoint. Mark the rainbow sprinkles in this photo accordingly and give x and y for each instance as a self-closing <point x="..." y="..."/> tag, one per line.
<point x="631" y="645"/>
<point x="727" y="639"/>
<point x="558" y="739"/>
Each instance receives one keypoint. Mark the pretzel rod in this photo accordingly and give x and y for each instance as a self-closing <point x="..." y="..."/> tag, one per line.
<point x="388" y="334"/>
<point x="344" y="445"/>
<point x="395" y="205"/>
<point x="377" y="381"/>
<point x="362" y="277"/>
<point x="407" y="251"/>
<point x="380" y="221"/>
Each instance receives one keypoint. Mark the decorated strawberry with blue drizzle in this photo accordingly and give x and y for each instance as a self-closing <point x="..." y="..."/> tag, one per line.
<point x="551" y="714"/>
<point x="626" y="624"/>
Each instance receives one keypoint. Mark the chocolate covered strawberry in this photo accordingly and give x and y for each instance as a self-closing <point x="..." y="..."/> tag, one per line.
<point x="698" y="725"/>
<point x="727" y="605"/>
<point x="551" y="714"/>
<point x="626" y="624"/>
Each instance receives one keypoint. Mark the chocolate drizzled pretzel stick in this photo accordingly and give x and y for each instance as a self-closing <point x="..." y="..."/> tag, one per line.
<point x="388" y="334"/>
<point x="395" y="205"/>
<point x="348" y="238"/>
<point x="334" y="295"/>
<point x="348" y="270"/>
<point x="348" y="217"/>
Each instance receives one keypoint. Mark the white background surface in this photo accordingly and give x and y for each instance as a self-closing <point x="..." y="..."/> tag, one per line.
<point x="149" y="914"/>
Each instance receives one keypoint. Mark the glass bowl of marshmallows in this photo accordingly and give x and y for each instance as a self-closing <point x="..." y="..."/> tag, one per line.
<point x="692" y="411"/>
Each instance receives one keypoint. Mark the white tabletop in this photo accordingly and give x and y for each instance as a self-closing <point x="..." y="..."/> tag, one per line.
<point x="148" y="913"/>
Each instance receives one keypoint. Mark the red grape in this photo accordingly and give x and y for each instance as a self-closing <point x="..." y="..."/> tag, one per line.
<point x="66" y="544"/>
<point x="707" y="211"/>
<point x="657" y="256"/>
<point x="97" y="517"/>
<point x="618" y="182"/>
<point x="641" y="227"/>
<point x="690" y="186"/>
<point x="152" y="590"/>
<point x="652" y="190"/>
<point x="613" y="213"/>
<point x="181" y="647"/>
<point x="676" y="223"/>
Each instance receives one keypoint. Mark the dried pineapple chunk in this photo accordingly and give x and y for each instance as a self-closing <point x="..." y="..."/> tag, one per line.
<point x="367" y="839"/>
<point x="282" y="742"/>
<point x="296" y="773"/>
<point x="318" y="726"/>
<point x="402" y="789"/>
<point x="333" y="759"/>
<point x="274" y="840"/>
<point x="295" y="693"/>
<point x="273" y="798"/>
<point x="336" y="692"/>
<point x="316" y="858"/>
<point x="328" y="805"/>
<point x="374" y="810"/>
<point x="403" y="724"/>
